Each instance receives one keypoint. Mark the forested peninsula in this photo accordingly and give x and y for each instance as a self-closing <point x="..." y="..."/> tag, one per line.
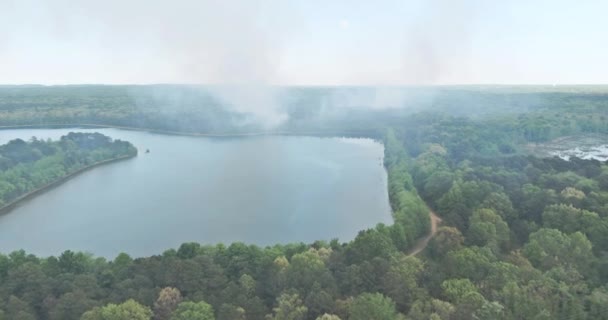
<point x="522" y="237"/>
<point x="29" y="167"/>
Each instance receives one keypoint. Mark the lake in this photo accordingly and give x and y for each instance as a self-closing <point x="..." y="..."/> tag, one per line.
<point x="259" y="190"/>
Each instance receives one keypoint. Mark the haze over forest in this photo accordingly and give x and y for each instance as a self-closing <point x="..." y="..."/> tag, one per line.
<point x="303" y="160"/>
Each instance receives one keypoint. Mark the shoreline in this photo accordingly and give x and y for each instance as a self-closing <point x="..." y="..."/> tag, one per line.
<point x="418" y="246"/>
<point x="7" y="208"/>
<point x="192" y="134"/>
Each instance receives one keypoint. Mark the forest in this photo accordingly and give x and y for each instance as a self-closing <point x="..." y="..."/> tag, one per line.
<point x="317" y="110"/>
<point x="26" y="166"/>
<point x="522" y="237"/>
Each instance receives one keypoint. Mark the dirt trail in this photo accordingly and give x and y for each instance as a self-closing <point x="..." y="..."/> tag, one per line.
<point x="422" y="243"/>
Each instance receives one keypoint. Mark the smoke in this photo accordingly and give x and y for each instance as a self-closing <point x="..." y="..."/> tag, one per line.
<point x="261" y="104"/>
<point x="437" y="43"/>
<point x="236" y="46"/>
<point x="233" y="47"/>
<point x="240" y="49"/>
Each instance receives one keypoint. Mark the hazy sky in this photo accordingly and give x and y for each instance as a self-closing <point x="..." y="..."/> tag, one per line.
<point x="305" y="42"/>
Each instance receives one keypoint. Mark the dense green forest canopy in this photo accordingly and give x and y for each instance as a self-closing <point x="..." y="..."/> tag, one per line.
<point x="522" y="237"/>
<point x="363" y="110"/>
<point x="26" y="166"/>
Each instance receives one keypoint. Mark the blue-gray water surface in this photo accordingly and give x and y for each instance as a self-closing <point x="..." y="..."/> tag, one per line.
<point x="258" y="190"/>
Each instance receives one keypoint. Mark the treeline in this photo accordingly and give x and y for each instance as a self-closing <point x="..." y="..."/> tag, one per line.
<point x="534" y="112"/>
<point x="213" y="282"/>
<point x="499" y="136"/>
<point x="410" y="213"/>
<point x="28" y="165"/>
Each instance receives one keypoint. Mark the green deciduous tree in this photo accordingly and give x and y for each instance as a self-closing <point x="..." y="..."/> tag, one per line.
<point x="470" y="262"/>
<point x="490" y="311"/>
<point x="128" y="310"/>
<point x="548" y="248"/>
<point x="372" y="306"/>
<point x="18" y="309"/>
<point x="501" y="204"/>
<point x="189" y="310"/>
<point x="486" y="228"/>
<point x="71" y="306"/>
<point x="456" y="289"/>
<point x="289" y="307"/>
<point x="401" y="281"/>
<point x="306" y="269"/>
<point x="445" y="240"/>
<point x="431" y="309"/>
<point x="230" y="312"/>
<point x="369" y="244"/>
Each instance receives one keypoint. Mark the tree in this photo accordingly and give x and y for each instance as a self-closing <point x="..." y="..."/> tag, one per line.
<point x="445" y="240"/>
<point x="535" y="200"/>
<point x="188" y="250"/>
<point x="189" y="310"/>
<point x="598" y="304"/>
<point x="70" y="261"/>
<point x="289" y="308"/>
<point x="602" y="179"/>
<point x="230" y="312"/>
<point x="305" y="269"/>
<point x="401" y="281"/>
<point x="319" y="301"/>
<point x="431" y="309"/>
<point x="562" y="217"/>
<point x="486" y="228"/>
<point x="456" y="289"/>
<point x="572" y="194"/>
<point x="453" y="206"/>
<point x="501" y="204"/>
<point x="121" y="264"/>
<point x="548" y="248"/>
<point x="167" y="301"/>
<point x="71" y="306"/>
<point x="468" y="306"/>
<point x="328" y="317"/>
<point x="490" y="311"/>
<point x="16" y="309"/>
<point x="128" y="310"/>
<point x="569" y="219"/>
<point x="372" y="306"/>
<point x="438" y="184"/>
<point x="369" y="244"/>
<point x="559" y="181"/>
<point x="27" y="281"/>
<point x="248" y="284"/>
<point x="470" y="262"/>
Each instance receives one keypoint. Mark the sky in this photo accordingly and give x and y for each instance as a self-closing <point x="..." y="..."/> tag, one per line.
<point x="306" y="42"/>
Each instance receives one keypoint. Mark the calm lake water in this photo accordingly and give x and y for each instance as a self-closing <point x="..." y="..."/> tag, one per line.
<point x="259" y="190"/>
